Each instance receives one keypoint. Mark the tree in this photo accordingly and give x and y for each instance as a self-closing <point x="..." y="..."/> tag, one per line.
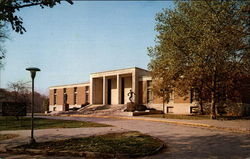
<point x="46" y="104"/>
<point x="20" y="92"/>
<point x="3" y="37"/>
<point x="8" y="9"/>
<point x="203" y="45"/>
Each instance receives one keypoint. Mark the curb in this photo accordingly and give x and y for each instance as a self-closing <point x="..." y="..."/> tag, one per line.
<point x="165" y="121"/>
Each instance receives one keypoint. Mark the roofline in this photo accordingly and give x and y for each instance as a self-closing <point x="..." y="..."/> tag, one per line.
<point x="120" y="69"/>
<point x="85" y="83"/>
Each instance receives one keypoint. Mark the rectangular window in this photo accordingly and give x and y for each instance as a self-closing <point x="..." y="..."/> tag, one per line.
<point x="75" y="93"/>
<point x="170" y="109"/>
<point x="86" y="94"/>
<point x="171" y="95"/>
<point x="65" y="96"/>
<point x="54" y="96"/>
<point x="194" y="109"/>
<point x="149" y="92"/>
<point x="191" y="95"/>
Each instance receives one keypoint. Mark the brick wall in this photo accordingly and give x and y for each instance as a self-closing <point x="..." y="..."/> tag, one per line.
<point x="51" y="97"/>
<point x="181" y="99"/>
<point x="157" y="99"/>
<point x="59" y="96"/>
<point x="70" y="94"/>
<point x="80" y="98"/>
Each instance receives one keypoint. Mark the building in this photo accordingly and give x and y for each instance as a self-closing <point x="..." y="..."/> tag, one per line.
<point x="112" y="88"/>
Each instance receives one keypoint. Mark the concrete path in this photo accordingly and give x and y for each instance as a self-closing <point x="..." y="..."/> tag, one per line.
<point x="182" y="141"/>
<point x="242" y="126"/>
<point x="234" y="125"/>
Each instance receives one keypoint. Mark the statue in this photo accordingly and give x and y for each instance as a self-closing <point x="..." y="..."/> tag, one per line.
<point x="131" y="95"/>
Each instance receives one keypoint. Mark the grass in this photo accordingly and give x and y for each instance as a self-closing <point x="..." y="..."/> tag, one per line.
<point x="11" y="123"/>
<point x="175" y="116"/>
<point x="195" y="117"/>
<point x="130" y="143"/>
<point x="7" y="136"/>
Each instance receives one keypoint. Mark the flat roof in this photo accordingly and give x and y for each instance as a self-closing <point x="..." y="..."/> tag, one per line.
<point x="121" y="69"/>
<point x="86" y="83"/>
<point x="70" y="85"/>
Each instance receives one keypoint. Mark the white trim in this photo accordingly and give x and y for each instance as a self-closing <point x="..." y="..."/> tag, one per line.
<point x="145" y="78"/>
<point x="70" y="86"/>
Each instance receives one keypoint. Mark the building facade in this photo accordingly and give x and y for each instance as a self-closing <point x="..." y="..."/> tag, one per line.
<point x="112" y="88"/>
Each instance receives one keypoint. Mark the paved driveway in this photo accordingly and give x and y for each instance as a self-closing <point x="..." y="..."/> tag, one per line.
<point x="184" y="141"/>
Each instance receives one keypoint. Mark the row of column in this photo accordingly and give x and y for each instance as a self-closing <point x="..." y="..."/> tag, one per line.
<point x="119" y="85"/>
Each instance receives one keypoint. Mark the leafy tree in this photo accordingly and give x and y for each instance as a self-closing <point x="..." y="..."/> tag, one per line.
<point x="8" y="9"/>
<point x="3" y="37"/>
<point x="203" y="45"/>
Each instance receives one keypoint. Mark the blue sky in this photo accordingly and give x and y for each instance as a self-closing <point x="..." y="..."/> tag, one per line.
<point x="68" y="42"/>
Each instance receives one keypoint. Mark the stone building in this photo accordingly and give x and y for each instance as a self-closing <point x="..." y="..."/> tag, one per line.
<point x="112" y="88"/>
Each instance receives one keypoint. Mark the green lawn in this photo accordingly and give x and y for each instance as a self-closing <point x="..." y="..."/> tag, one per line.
<point x="175" y="116"/>
<point x="7" y="136"/>
<point x="130" y="143"/>
<point x="195" y="117"/>
<point x="11" y="123"/>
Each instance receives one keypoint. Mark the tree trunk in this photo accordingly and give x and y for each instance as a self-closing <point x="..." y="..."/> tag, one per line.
<point x="213" y="95"/>
<point x="213" y="106"/>
<point x="201" y="107"/>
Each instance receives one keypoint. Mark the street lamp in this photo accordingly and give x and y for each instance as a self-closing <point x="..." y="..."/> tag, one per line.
<point x="33" y="71"/>
<point x="163" y="100"/>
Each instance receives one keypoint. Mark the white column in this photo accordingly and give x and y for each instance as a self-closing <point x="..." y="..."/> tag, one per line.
<point x="118" y="89"/>
<point x="104" y="91"/>
<point x="134" y="86"/>
<point x="91" y="89"/>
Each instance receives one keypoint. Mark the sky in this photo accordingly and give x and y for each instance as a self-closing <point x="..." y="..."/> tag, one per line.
<point x="68" y="42"/>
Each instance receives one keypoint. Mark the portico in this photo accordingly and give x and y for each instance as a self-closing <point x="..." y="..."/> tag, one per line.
<point x="112" y="87"/>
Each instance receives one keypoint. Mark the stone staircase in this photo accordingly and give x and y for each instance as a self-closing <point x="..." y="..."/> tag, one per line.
<point x="102" y="109"/>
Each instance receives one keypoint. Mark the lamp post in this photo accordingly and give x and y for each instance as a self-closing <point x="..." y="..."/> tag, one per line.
<point x="33" y="71"/>
<point x="163" y="101"/>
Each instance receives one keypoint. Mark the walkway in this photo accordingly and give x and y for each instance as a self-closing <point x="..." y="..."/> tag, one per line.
<point x="182" y="141"/>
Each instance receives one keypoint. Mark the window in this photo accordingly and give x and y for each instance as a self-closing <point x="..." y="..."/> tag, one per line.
<point x="171" y="95"/>
<point x="191" y="95"/>
<point x="54" y="96"/>
<point x="194" y="109"/>
<point x="170" y="109"/>
<point x="86" y="94"/>
<point x="149" y="92"/>
<point x="54" y="108"/>
<point x="65" y="97"/>
<point x="75" y="93"/>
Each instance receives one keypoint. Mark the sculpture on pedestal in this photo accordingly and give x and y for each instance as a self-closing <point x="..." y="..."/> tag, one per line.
<point x="131" y="105"/>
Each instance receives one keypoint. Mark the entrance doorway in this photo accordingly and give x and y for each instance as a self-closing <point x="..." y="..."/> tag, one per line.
<point x="109" y="91"/>
<point x="122" y="91"/>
